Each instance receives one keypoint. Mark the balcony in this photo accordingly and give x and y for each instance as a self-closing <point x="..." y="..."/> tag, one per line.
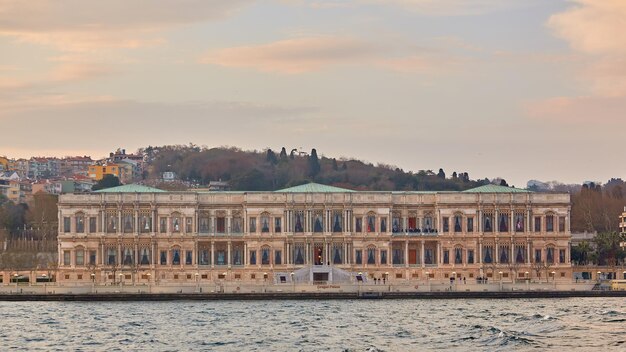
<point x="418" y="232"/>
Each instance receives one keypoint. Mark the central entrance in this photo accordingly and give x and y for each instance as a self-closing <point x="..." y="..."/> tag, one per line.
<point x="320" y="277"/>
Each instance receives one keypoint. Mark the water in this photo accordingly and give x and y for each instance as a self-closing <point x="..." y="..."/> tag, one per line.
<point x="349" y="325"/>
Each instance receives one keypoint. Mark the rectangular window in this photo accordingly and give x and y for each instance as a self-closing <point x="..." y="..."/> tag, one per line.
<point x="278" y="257"/>
<point x="221" y="224"/>
<point x="265" y="256"/>
<point x="446" y="224"/>
<point x="538" y="256"/>
<point x="252" y="225"/>
<point x="562" y="256"/>
<point x="163" y="258"/>
<point x="383" y="257"/>
<point x="470" y="224"/>
<point x="252" y="257"/>
<point x="359" y="256"/>
<point x="66" y="224"/>
<point x="92" y="225"/>
<point x="163" y="225"/>
<point x="537" y="223"/>
<point x="203" y="224"/>
<point x="188" y="257"/>
<point x="203" y="256"/>
<point x="145" y="223"/>
<point x="66" y="257"/>
<point x="80" y="257"/>
<point x="470" y="256"/>
<point x="92" y="257"/>
<point x="277" y="227"/>
<point x="175" y="256"/>
<point x="446" y="257"/>
<point x="550" y="223"/>
<point x="561" y="223"/>
<point x="188" y="225"/>
<point x="359" y="225"/>
<point x="80" y="224"/>
<point x="111" y="256"/>
<point x="128" y="223"/>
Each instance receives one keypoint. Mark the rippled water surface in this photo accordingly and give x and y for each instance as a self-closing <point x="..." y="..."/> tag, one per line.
<point x="349" y="325"/>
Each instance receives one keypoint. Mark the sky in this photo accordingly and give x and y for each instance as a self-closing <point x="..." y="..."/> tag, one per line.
<point x="532" y="89"/>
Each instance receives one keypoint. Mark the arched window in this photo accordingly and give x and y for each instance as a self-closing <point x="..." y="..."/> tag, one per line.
<point x="520" y="256"/>
<point x="298" y="254"/>
<point x="458" y="255"/>
<point x="127" y="256"/>
<point x="337" y="253"/>
<point x="318" y="222"/>
<point x="128" y="221"/>
<point x="488" y="254"/>
<point x="265" y="255"/>
<point x="204" y="255"/>
<point x="550" y="222"/>
<point x="265" y="222"/>
<point x="337" y="221"/>
<point x="144" y="256"/>
<point x="519" y="221"/>
<point x="145" y="221"/>
<point x="488" y="222"/>
<point x="175" y="219"/>
<point x="203" y="222"/>
<point x="504" y="254"/>
<point x="550" y="253"/>
<point x="237" y="223"/>
<point x="396" y="222"/>
<point x="371" y="255"/>
<point x="299" y="221"/>
<point x="458" y="222"/>
<point x="175" y="256"/>
<point x="79" y="253"/>
<point x="503" y="223"/>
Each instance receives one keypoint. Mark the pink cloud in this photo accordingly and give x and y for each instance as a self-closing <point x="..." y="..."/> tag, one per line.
<point x="300" y="55"/>
<point x="579" y="109"/>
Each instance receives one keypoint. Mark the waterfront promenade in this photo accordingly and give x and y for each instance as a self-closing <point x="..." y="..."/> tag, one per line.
<point x="239" y="290"/>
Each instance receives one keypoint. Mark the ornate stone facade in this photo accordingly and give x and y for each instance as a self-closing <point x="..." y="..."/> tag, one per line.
<point x="149" y="236"/>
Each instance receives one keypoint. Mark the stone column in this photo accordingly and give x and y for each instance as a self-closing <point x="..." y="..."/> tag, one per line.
<point x="228" y="259"/>
<point x="406" y="253"/>
<point x="422" y="254"/>
<point x="212" y="254"/>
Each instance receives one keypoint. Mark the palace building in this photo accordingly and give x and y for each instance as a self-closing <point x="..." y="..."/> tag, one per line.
<point x="312" y="233"/>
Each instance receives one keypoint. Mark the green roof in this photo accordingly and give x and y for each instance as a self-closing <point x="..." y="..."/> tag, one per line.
<point x="313" y="188"/>
<point x="130" y="189"/>
<point x="496" y="189"/>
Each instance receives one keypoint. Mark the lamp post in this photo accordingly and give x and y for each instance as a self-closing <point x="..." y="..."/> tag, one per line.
<point x="264" y="281"/>
<point x="149" y="283"/>
<point x="554" y="279"/>
<point x="121" y="280"/>
<point x="500" y="280"/>
<point x="598" y="277"/>
<point x="15" y="276"/>
<point x="197" y="282"/>
<point x="453" y="283"/>
<point x="93" y="282"/>
<point x="428" y="280"/>
<point x="293" y="283"/>
<point x="387" y="279"/>
<point x="45" y="281"/>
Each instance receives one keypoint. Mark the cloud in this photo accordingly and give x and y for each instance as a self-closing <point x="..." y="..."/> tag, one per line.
<point x="299" y="55"/>
<point x="585" y="109"/>
<point x="594" y="29"/>
<point x="454" y="7"/>
<point x="78" y="25"/>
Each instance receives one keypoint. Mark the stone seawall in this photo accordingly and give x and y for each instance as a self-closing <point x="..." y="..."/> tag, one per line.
<point x="113" y="297"/>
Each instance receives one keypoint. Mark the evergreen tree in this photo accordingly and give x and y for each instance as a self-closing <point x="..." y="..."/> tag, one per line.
<point x="271" y="157"/>
<point x="454" y="175"/>
<point x="503" y="183"/>
<point x="283" y="154"/>
<point x="441" y="174"/>
<point x="335" y="166"/>
<point x="314" y="164"/>
<point x="107" y="181"/>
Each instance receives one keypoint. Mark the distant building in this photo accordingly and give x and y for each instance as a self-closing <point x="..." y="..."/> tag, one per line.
<point x="97" y="172"/>
<point x="4" y="164"/>
<point x="219" y="186"/>
<point x="43" y="167"/>
<point x="75" y="165"/>
<point x="169" y="176"/>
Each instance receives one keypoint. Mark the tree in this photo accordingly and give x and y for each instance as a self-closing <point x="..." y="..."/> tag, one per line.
<point x="503" y="183"/>
<point x="271" y="157"/>
<point x="283" y="154"/>
<point x="335" y="166"/>
<point x="608" y="247"/>
<point x="581" y="253"/>
<point x="314" y="164"/>
<point x="441" y="174"/>
<point x="107" y="181"/>
<point x="454" y="175"/>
